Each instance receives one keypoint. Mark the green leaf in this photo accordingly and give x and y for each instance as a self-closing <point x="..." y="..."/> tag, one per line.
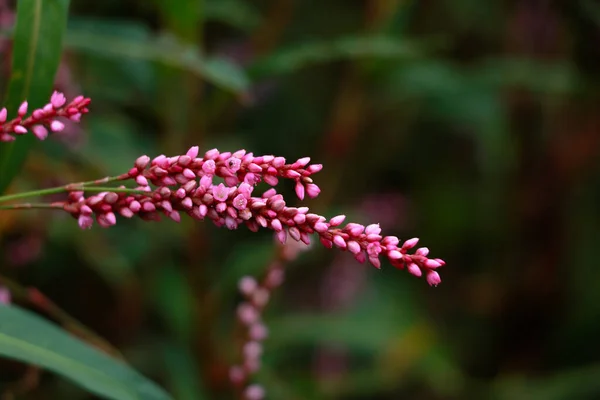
<point x="307" y="54"/>
<point x="238" y="14"/>
<point x="31" y="339"/>
<point x="37" y="45"/>
<point x="165" y="50"/>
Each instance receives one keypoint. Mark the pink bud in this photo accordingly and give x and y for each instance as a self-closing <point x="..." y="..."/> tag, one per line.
<point x="312" y="190"/>
<point x="276" y="225"/>
<point x="271" y="180"/>
<point x="247" y="285"/>
<point x="85" y="221"/>
<point x="278" y="162"/>
<point x="20" y="130"/>
<point x="233" y="164"/>
<point x="141" y="180"/>
<point x="375" y="262"/>
<point x="56" y="126"/>
<point x="422" y="251"/>
<point x="410" y="243"/>
<point x="354" y="247"/>
<point x="22" y="109"/>
<point x="240" y="202"/>
<point x="40" y="132"/>
<point x="312" y="169"/>
<point x="335" y="221"/>
<point x="258" y="332"/>
<point x="252" y="349"/>
<point x="394" y="255"/>
<point x="414" y="270"/>
<point x="247" y="314"/>
<point x="212" y="154"/>
<point x="372" y="229"/>
<point x="433" y="278"/>
<point x="433" y="264"/>
<point x="339" y="241"/>
<point x="237" y="375"/>
<point x="3" y="115"/>
<point x="299" y="188"/>
<point x="57" y="99"/>
<point x="321" y="227"/>
<point x="192" y="152"/>
<point x="254" y="392"/>
<point x="220" y="192"/>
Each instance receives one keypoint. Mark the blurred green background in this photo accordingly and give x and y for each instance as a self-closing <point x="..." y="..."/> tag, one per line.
<point x="471" y="124"/>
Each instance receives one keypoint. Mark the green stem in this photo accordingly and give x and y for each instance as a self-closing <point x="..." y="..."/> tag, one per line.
<point x="71" y="188"/>
<point x="26" y="206"/>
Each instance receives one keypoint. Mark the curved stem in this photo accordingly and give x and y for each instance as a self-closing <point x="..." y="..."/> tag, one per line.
<point x="26" y="206"/>
<point x="72" y="188"/>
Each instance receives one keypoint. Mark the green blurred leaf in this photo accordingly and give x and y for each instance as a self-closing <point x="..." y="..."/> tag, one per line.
<point x="165" y="50"/>
<point x="183" y="373"/>
<point x="37" y="45"/>
<point x="31" y="339"/>
<point x="236" y="13"/>
<point x="306" y="54"/>
<point x="183" y="17"/>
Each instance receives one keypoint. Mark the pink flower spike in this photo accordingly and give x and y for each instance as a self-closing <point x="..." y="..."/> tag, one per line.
<point x="22" y="109"/>
<point x="57" y="99"/>
<point x="338" y="220"/>
<point x="3" y="115"/>
<point x="56" y="126"/>
<point x="299" y="188"/>
<point x="433" y="278"/>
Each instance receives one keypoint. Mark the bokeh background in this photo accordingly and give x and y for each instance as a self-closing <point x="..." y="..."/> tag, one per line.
<point x="471" y="124"/>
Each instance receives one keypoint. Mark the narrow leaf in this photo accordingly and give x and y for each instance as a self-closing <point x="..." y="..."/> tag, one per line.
<point x="296" y="57"/>
<point x="26" y="337"/>
<point x="165" y="50"/>
<point x="37" y="45"/>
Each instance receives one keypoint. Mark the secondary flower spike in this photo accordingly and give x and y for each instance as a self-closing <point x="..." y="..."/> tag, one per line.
<point x="42" y="120"/>
<point x="184" y="184"/>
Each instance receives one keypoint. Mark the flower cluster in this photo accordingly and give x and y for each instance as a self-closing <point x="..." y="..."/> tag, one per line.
<point x="186" y="184"/>
<point x="42" y="119"/>
<point x="249" y="316"/>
